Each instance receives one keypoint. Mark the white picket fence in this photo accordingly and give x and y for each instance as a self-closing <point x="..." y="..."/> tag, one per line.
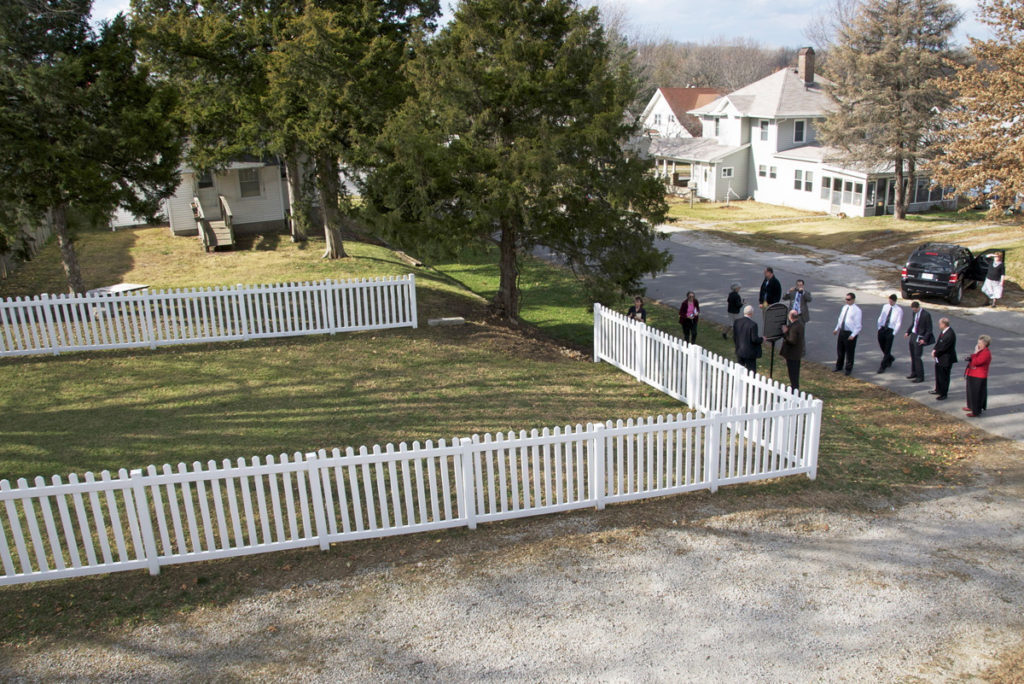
<point x="150" y="518"/>
<point x="60" y="323"/>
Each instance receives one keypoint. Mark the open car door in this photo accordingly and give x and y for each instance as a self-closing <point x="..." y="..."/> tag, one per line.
<point x="979" y="266"/>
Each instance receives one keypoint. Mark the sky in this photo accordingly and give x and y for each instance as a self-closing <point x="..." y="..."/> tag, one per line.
<point x="771" y="23"/>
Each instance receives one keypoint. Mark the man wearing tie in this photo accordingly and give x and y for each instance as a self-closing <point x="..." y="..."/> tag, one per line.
<point x="800" y="299"/>
<point x="919" y="335"/>
<point x="889" y="321"/>
<point x="945" y="356"/>
<point x="847" y="330"/>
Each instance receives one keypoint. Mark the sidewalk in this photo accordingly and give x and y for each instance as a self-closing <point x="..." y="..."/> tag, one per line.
<point x="707" y="265"/>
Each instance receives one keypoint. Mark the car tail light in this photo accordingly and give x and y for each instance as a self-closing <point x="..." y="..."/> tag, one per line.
<point x="903" y="273"/>
<point x="953" y="278"/>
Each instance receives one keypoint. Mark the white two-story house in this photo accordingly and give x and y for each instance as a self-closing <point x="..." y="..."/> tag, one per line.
<point x="759" y="142"/>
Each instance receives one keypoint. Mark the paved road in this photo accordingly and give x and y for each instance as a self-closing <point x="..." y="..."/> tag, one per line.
<point x="708" y="265"/>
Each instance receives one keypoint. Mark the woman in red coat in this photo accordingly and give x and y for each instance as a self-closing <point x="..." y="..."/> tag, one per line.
<point x="977" y="377"/>
<point x="689" y="312"/>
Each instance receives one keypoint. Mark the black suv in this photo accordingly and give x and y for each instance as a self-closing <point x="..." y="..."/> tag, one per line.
<point x="944" y="270"/>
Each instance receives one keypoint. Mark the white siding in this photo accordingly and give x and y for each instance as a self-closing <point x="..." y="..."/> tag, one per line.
<point x="179" y="207"/>
<point x="661" y="118"/>
<point x="267" y="207"/>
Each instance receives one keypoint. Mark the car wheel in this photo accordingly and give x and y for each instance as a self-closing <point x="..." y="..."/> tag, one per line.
<point x="906" y="294"/>
<point x="957" y="294"/>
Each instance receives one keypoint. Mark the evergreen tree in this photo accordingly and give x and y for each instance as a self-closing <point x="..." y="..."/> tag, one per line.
<point x="983" y="141"/>
<point x="296" y="78"/>
<point x="83" y="130"/>
<point x="515" y="137"/>
<point x="885" y="68"/>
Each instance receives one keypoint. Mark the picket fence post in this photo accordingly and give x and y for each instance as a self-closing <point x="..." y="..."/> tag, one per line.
<point x="468" y="485"/>
<point x="597" y="333"/>
<point x="51" y="334"/>
<point x="316" y="487"/>
<point x="712" y="451"/>
<point x="597" y="466"/>
<point x="145" y="521"/>
<point x="412" y="300"/>
<point x="694" y="370"/>
<point x="811" y="444"/>
<point x="243" y="295"/>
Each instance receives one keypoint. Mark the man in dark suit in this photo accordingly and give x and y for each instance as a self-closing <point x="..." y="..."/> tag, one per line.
<point x="771" y="289"/>
<point x="793" y="347"/>
<point x="945" y="356"/>
<point x="800" y="300"/>
<point x="919" y="336"/>
<point x="748" y="342"/>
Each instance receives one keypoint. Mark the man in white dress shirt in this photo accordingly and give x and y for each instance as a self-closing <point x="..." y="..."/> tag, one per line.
<point x="889" y="321"/>
<point x="847" y="330"/>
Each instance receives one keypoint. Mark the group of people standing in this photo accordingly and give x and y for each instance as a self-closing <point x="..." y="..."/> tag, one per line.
<point x="919" y="335"/>
<point x="849" y="324"/>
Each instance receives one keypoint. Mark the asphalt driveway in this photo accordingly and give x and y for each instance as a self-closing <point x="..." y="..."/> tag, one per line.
<point x="708" y="265"/>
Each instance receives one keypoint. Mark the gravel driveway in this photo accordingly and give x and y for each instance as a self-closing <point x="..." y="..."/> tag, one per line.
<point x="697" y="587"/>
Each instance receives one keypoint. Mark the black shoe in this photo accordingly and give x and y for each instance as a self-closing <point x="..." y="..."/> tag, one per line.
<point x="911" y="377"/>
<point x="849" y="370"/>
<point x="836" y="370"/>
<point x="724" y="336"/>
<point x="881" y="369"/>
<point x="917" y="380"/>
<point x="941" y="397"/>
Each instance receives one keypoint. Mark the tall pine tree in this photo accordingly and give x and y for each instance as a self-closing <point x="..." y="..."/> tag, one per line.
<point x="83" y="129"/>
<point x="885" y="67"/>
<point x="983" y="140"/>
<point x="515" y="137"/>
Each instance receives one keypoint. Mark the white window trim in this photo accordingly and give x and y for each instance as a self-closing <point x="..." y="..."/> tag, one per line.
<point x="803" y="137"/>
<point x="727" y="172"/>
<point x="259" y="184"/>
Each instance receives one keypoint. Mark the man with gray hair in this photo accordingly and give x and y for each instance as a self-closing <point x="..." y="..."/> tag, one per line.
<point x="748" y="342"/>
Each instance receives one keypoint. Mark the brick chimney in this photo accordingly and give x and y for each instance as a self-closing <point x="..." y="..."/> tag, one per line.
<point x="805" y="65"/>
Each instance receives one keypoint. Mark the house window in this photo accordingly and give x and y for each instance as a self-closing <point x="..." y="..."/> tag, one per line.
<point x="726" y="172"/>
<point x="671" y="118"/>
<point x="871" y="193"/>
<point x="205" y="180"/>
<point x="922" y="190"/>
<point x="764" y="129"/>
<point x="773" y="172"/>
<point x="798" y="131"/>
<point x="249" y="182"/>
<point x="826" y="186"/>
<point x="762" y="170"/>
<point x="657" y="119"/>
<point x="798" y="179"/>
<point x="809" y="181"/>
<point x="718" y="127"/>
<point x="858" y="194"/>
<point x="936" y="194"/>
<point x="848" y="192"/>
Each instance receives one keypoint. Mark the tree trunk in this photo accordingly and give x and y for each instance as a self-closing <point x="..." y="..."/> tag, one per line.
<point x="327" y="177"/>
<point x="299" y="204"/>
<point x="900" y="208"/>
<point x="506" y="300"/>
<point x="67" y="250"/>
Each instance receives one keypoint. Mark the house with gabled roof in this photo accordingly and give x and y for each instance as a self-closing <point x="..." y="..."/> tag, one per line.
<point x="667" y="114"/>
<point x="760" y="142"/>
